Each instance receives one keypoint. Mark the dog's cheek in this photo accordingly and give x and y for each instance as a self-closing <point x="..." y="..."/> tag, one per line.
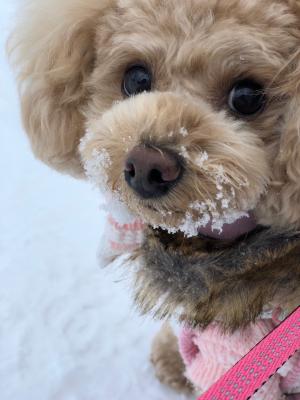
<point x="280" y="207"/>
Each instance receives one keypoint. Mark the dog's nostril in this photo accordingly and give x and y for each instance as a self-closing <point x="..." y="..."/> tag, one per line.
<point x="129" y="168"/>
<point x="152" y="172"/>
<point x="155" y="176"/>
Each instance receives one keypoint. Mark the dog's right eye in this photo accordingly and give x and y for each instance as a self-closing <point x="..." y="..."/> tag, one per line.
<point x="137" y="79"/>
<point x="246" y="98"/>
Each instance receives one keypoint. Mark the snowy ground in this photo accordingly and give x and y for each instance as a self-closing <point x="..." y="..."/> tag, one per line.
<point x="68" y="330"/>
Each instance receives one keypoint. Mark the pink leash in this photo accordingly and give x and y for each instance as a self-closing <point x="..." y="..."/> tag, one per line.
<point x="243" y="380"/>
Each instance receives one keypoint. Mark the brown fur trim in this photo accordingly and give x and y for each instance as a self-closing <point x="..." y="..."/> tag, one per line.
<point x="201" y="281"/>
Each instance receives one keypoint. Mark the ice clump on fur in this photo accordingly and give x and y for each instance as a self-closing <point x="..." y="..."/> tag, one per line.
<point x="184" y="153"/>
<point x="228" y="218"/>
<point x="183" y="131"/>
<point x="209" y="214"/>
<point x="201" y="159"/>
<point x="225" y="203"/>
<point x="191" y="226"/>
<point x="96" y="166"/>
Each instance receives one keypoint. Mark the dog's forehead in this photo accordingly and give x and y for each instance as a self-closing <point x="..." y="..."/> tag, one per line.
<point x="206" y="27"/>
<point x="200" y="35"/>
<point x="203" y="13"/>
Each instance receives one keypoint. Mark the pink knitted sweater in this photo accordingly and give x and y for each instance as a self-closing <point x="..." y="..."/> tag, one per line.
<point x="209" y="353"/>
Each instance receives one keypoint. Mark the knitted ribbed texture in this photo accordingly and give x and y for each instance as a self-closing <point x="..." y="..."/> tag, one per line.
<point x="125" y="237"/>
<point x="292" y="379"/>
<point x="209" y="353"/>
<point x="120" y="238"/>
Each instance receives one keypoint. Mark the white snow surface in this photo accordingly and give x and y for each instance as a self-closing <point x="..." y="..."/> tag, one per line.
<point x="68" y="329"/>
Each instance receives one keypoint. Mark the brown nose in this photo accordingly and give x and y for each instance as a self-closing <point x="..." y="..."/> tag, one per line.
<point x="152" y="172"/>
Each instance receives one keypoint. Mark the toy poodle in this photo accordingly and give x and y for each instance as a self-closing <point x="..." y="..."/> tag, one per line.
<point x="188" y="112"/>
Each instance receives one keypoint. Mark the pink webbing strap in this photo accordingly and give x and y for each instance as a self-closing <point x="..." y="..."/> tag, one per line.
<point x="243" y="380"/>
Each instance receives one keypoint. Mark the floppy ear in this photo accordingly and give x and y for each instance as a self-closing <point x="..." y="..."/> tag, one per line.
<point x="52" y="49"/>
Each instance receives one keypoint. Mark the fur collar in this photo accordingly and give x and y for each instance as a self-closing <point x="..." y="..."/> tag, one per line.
<point x="202" y="280"/>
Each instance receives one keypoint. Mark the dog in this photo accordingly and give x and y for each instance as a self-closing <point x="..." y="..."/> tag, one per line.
<point x="188" y="113"/>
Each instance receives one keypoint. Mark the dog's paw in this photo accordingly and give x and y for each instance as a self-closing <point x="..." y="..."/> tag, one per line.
<point x="167" y="362"/>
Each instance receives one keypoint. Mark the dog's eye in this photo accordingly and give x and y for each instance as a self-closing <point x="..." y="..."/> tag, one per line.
<point x="137" y="79"/>
<point x="246" y="97"/>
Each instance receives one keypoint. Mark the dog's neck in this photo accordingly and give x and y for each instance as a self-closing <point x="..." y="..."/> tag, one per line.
<point x="202" y="281"/>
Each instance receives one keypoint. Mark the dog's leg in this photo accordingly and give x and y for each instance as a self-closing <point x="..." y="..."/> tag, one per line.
<point x="168" y="364"/>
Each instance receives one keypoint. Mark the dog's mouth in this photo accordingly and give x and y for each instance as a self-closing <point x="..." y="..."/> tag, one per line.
<point x="225" y="235"/>
<point x="227" y="231"/>
<point x="208" y="241"/>
<point x="230" y="231"/>
<point x="213" y="235"/>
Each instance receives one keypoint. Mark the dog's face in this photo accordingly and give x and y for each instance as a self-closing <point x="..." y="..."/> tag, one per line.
<point x="205" y="91"/>
<point x="193" y="114"/>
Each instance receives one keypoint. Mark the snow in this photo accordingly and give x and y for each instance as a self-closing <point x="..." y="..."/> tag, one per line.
<point x="97" y="166"/>
<point x="68" y="329"/>
<point x="201" y="159"/>
<point x="183" y="131"/>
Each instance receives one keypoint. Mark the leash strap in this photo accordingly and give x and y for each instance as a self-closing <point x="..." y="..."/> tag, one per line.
<point x="243" y="380"/>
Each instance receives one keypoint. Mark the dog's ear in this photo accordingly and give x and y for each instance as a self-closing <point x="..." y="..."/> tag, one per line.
<point x="52" y="49"/>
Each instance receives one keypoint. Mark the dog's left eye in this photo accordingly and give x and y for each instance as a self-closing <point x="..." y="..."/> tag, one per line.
<point x="137" y="79"/>
<point x="246" y="98"/>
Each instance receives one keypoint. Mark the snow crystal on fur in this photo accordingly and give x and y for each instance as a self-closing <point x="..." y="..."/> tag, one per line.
<point x="184" y="153"/>
<point x="201" y="159"/>
<point x="183" y="131"/>
<point x="96" y="167"/>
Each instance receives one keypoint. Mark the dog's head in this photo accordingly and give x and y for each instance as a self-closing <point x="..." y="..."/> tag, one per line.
<point x="188" y="111"/>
